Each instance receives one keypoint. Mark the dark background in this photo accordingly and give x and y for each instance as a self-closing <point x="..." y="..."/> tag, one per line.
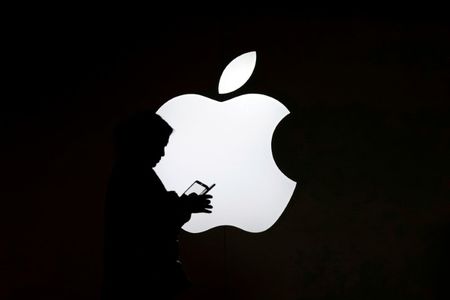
<point x="367" y="140"/>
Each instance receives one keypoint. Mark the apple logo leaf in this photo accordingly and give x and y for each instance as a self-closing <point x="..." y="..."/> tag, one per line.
<point x="237" y="72"/>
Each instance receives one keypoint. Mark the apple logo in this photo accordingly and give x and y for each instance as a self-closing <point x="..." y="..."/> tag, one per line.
<point x="227" y="143"/>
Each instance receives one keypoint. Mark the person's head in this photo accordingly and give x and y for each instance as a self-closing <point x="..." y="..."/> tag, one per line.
<point x="142" y="138"/>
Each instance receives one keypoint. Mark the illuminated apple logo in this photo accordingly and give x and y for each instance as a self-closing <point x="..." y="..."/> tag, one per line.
<point x="227" y="143"/>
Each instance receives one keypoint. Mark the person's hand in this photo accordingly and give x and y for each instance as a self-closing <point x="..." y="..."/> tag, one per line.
<point x="172" y="194"/>
<point x="198" y="203"/>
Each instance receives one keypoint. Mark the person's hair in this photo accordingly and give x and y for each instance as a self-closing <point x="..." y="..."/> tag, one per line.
<point x="141" y="132"/>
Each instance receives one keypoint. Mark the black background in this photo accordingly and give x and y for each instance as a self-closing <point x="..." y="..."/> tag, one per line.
<point x="367" y="140"/>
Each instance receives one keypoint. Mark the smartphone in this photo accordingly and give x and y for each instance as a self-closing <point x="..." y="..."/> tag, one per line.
<point x="198" y="188"/>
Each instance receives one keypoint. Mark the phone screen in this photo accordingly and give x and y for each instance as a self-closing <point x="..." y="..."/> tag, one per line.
<point x="198" y="188"/>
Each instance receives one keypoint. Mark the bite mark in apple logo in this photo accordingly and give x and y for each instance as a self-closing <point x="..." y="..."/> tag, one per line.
<point x="227" y="143"/>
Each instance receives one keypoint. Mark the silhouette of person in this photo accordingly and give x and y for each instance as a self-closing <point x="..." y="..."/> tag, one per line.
<point x="142" y="219"/>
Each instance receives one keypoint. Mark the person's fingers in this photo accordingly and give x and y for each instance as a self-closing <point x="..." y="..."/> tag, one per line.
<point x="204" y="207"/>
<point x="200" y="201"/>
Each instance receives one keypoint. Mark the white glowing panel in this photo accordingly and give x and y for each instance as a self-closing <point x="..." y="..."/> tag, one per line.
<point x="227" y="143"/>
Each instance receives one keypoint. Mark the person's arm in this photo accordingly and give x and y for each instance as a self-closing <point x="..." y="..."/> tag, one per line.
<point x="179" y="211"/>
